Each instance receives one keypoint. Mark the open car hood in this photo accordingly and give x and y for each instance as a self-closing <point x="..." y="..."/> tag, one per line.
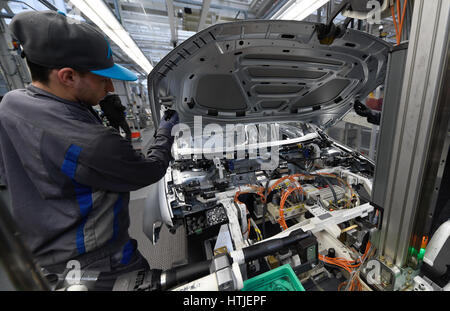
<point x="267" y="71"/>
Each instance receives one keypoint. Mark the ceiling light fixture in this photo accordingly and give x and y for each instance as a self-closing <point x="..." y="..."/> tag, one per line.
<point x="298" y="9"/>
<point x="101" y="15"/>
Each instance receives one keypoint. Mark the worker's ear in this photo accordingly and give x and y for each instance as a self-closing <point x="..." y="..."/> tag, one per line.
<point x="67" y="76"/>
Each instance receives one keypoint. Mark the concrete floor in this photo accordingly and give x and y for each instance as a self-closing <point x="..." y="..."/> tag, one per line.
<point x="171" y="248"/>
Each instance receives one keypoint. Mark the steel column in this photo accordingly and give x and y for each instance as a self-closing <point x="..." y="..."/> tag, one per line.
<point x="399" y="181"/>
<point x="172" y="22"/>
<point x="12" y="66"/>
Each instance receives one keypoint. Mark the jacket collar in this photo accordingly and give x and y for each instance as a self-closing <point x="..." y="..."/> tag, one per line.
<point x="35" y="90"/>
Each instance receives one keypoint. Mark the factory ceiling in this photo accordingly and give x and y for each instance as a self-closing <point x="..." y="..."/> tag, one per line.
<point x="157" y="26"/>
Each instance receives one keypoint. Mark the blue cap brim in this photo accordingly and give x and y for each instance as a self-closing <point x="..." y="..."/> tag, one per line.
<point x="116" y="72"/>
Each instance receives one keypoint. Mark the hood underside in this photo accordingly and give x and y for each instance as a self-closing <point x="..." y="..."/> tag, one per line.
<point x="267" y="71"/>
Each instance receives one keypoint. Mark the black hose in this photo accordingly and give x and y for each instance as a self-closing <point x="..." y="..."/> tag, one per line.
<point x="188" y="272"/>
<point x="272" y="246"/>
<point x="185" y="273"/>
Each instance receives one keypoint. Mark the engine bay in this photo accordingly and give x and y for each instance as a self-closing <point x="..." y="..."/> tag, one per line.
<point x="320" y="186"/>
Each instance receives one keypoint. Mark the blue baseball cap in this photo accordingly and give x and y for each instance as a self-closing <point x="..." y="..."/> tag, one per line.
<point x="54" y="40"/>
<point x="117" y="72"/>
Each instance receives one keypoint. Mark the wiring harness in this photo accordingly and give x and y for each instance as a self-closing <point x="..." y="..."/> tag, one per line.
<point x="292" y="185"/>
<point x="353" y="268"/>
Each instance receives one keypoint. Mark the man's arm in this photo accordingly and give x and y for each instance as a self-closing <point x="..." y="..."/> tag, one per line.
<point x="372" y="116"/>
<point x="100" y="158"/>
<point x="112" y="164"/>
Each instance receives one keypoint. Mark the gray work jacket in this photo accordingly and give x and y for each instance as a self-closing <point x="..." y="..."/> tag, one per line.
<point x="69" y="177"/>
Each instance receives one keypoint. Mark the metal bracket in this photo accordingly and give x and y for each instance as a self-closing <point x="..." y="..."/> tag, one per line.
<point x="221" y="266"/>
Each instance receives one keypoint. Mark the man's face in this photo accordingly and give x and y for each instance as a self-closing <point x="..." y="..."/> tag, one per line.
<point x="91" y="88"/>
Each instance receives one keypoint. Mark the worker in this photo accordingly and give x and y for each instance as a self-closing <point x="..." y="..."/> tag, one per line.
<point x="114" y="111"/>
<point x="372" y="116"/>
<point x="68" y="175"/>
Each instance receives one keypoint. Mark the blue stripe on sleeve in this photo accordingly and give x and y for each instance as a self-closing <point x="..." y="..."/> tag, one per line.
<point x="83" y="193"/>
<point x="84" y="198"/>
<point x="69" y="166"/>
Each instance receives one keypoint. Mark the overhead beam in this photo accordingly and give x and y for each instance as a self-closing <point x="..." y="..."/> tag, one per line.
<point x="233" y="9"/>
<point x="219" y="4"/>
<point x="136" y="8"/>
<point x="48" y="5"/>
<point x="118" y="10"/>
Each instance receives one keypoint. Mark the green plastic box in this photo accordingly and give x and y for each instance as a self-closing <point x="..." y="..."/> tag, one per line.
<point x="280" y="279"/>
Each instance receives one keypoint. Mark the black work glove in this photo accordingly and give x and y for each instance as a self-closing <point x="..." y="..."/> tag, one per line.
<point x="112" y="108"/>
<point x="374" y="118"/>
<point x="361" y="109"/>
<point x="169" y="119"/>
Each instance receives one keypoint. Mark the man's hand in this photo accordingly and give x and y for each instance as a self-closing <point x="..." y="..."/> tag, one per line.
<point x="169" y="119"/>
<point x="110" y="99"/>
<point x="372" y="116"/>
<point x="113" y="109"/>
